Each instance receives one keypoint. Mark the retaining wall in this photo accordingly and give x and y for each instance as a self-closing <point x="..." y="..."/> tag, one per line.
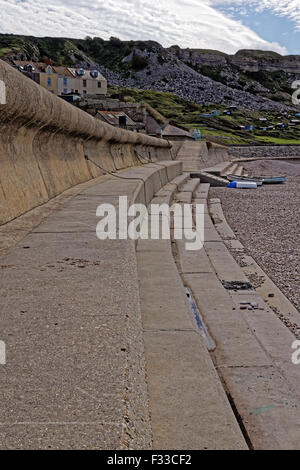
<point x="43" y="140"/>
<point x="211" y="154"/>
<point x="217" y="154"/>
<point x="265" y="151"/>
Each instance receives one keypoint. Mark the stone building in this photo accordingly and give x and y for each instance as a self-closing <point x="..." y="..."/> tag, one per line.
<point x="63" y="80"/>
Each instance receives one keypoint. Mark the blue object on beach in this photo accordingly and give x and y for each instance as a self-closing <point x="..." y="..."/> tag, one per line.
<point x="242" y="184"/>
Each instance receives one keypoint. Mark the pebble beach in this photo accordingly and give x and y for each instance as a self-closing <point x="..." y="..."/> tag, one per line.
<point x="266" y="221"/>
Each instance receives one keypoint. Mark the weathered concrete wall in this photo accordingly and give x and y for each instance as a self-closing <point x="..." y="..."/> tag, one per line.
<point x="43" y="141"/>
<point x="197" y="156"/>
<point x="211" y="154"/>
<point x="176" y="146"/>
<point x="265" y="151"/>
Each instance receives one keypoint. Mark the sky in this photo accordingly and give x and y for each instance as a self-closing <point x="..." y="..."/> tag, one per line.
<point x="225" y="25"/>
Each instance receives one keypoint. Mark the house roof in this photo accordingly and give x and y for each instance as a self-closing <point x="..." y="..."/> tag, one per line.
<point x="86" y="74"/>
<point x="173" y="131"/>
<point x="152" y="126"/>
<point x="38" y="65"/>
<point x="112" y="117"/>
<point x="60" y="70"/>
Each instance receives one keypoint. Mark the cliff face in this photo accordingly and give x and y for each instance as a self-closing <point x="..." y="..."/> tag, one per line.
<point x="201" y="58"/>
<point x="249" y="61"/>
<point x="256" y="80"/>
<point x="245" y="60"/>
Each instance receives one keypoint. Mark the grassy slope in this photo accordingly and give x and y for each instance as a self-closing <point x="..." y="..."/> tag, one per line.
<point x="184" y="113"/>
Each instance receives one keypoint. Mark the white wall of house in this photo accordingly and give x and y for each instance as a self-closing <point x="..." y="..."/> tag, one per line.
<point x="87" y="85"/>
<point x="82" y="85"/>
<point x="66" y="84"/>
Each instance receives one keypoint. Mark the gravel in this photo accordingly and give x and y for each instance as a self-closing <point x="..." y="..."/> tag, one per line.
<point x="266" y="221"/>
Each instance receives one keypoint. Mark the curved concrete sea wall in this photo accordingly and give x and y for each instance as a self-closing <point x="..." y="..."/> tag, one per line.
<point x="43" y="140"/>
<point x="197" y="156"/>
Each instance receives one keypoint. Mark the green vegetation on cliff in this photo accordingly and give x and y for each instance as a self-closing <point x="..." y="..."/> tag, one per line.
<point x="121" y="57"/>
<point x="227" y="128"/>
<point x="61" y="50"/>
<point x="263" y="74"/>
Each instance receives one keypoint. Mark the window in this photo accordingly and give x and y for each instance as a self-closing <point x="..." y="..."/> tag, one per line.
<point x="99" y="84"/>
<point x="65" y="81"/>
<point x="49" y="81"/>
<point x="84" y="92"/>
<point x="84" y="83"/>
<point x="65" y="91"/>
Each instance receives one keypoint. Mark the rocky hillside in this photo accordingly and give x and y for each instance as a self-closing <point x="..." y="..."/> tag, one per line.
<point x="255" y="80"/>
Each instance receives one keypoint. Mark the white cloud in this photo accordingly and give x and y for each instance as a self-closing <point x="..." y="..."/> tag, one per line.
<point x="287" y="8"/>
<point x="188" y="23"/>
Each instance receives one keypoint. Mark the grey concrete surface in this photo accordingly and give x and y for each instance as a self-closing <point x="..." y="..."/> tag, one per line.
<point x="189" y="408"/>
<point x="254" y="347"/>
<point x="103" y="350"/>
<point x="253" y="352"/>
<point x="70" y="318"/>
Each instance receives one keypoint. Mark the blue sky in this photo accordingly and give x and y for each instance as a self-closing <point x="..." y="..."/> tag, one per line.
<point x="225" y="25"/>
<point x="267" y="24"/>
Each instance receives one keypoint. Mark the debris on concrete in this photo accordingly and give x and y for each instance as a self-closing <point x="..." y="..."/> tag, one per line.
<point x="237" y="285"/>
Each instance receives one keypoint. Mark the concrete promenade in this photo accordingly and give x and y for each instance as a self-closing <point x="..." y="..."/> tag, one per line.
<point x="103" y="348"/>
<point x="70" y="318"/>
<point x="71" y="322"/>
<point x="72" y="315"/>
<point x="120" y="344"/>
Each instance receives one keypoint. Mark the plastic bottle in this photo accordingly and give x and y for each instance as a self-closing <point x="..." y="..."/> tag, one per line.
<point x="242" y="184"/>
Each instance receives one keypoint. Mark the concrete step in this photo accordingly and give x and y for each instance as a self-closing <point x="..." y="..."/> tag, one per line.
<point x="224" y="264"/>
<point x="239" y="170"/>
<point x="217" y="215"/>
<point x="191" y="186"/>
<point x="213" y="180"/>
<point x="178" y="360"/>
<point x="180" y="180"/>
<point x="253" y="353"/>
<point x="190" y="262"/>
<point x="219" y="169"/>
<point x="190" y="165"/>
<point x="250" y="268"/>
<point x="183" y="197"/>
<point x="236" y="169"/>
<point x="231" y="170"/>
<point x="203" y="190"/>
<point x="198" y="156"/>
